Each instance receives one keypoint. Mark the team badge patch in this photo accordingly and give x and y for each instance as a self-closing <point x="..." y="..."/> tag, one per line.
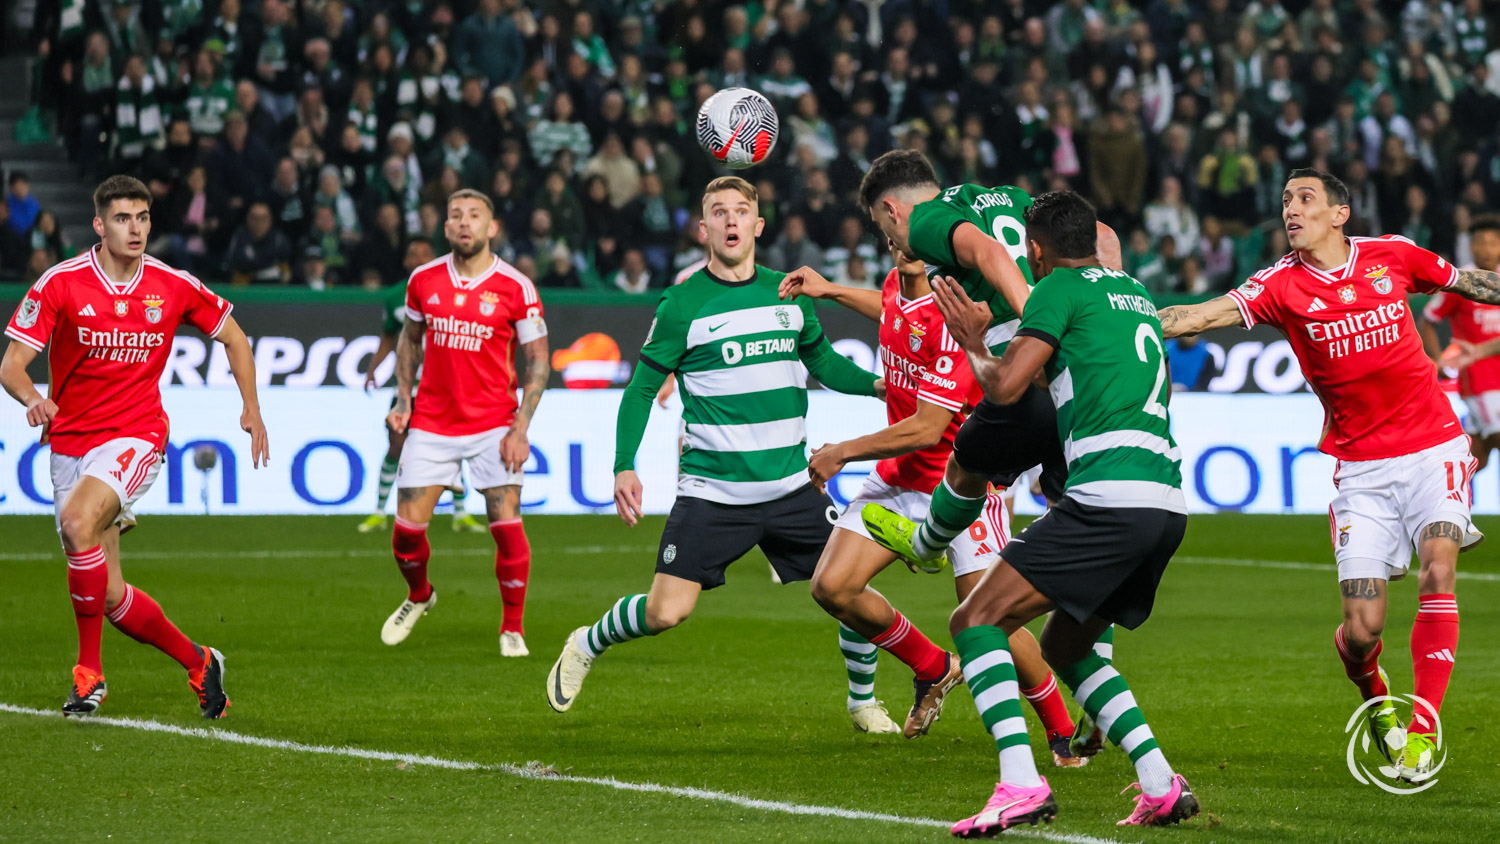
<point x="121" y="306"/>
<point x="28" y="312"/>
<point x="460" y="298"/>
<point x="1379" y="280"/>
<point x="1346" y="294"/>
<point x="898" y="323"/>
<point x="783" y="318"/>
<point x="487" y="302"/>
<point x="153" y="308"/>
<point x="1344" y="535"/>
<point x="669" y="554"/>
<point x="1251" y="289"/>
<point x="915" y="338"/>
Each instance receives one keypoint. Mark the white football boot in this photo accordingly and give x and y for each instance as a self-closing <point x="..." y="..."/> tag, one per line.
<point x="512" y="644"/>
<point x="566" y="676"/>
<point x="399" y="625"/>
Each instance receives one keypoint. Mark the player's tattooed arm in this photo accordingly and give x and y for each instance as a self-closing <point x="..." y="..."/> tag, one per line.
<point x="1186" y="320"/>
<point x="1363" y="588"/>
<point x="1478" y="285"/>
<point x="408" y="360"/>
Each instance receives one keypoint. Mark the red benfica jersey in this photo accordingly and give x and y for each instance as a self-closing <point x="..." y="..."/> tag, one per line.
<point x="1472" y="322"/>
<point x="473" y="326"/>
<point x="922" y="364"/>
<point x="1353" y="334"/>
<point x="109" y="345"/>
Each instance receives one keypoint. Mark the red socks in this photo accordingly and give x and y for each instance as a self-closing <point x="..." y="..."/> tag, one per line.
<point x="512" y="569"/>
<point x="908" y="644"/>
<point x="88" y="578"/>
<point x="1048" y="702"/>
<point x="1365" y="670"/>
<point x="1434" y="644"/>
<point x="409" y="543"/>
<point x="141" y="618"/>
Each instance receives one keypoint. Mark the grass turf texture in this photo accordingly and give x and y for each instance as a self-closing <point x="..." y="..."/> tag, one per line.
<point x="1236" y="673"/>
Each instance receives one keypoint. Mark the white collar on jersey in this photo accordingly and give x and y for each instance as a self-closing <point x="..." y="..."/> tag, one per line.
<point x="104" y="279"/>
<point x="1338" y="273"/>
<point x="470" y="283"/>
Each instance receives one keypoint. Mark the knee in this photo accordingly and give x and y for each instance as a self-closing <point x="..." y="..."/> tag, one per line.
<point x="964" y="617"/>
<point x="78" y="530"/>
<point x="964" y="482"/>
<point x="1362" y="629"/>
<point x="835" y="598"/>
<point x="665" y="618"/>
<point x="113" y="595"/>
<point x="1437" y="575"/>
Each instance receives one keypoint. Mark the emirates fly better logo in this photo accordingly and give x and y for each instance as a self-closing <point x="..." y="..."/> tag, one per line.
<point x="1362" y="751"/>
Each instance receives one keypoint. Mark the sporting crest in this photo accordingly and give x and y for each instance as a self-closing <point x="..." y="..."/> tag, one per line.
<point x="915" y="338"/>
<point x="121" y="306"/>
<point x="783" y="318"/>
<point x="153" y="308"/>
<point x="669" y="554"/>
<point x="487" y="302"/>
<point x="1346" y="294"/>
<point x="28" y="312"/>
<point x="1379" y="280"/>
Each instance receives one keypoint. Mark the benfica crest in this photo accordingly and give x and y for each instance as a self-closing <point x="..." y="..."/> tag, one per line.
<point x="121" y="306"/>
<point x="153" y="308"/>
<point x="1346" y="294"/>
<point x="487" y="302"/>
<point x="915" y="338"/>
<point x="1379" y="280"/>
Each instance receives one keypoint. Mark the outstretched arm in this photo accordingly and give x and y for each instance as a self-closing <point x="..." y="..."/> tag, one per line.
<point x="920" y="430"/>
<point x="408" y="360"/>
<point x="515" y="448"/>
<point x="1186" y="320"/>
<point x="976" y="250"/>
<point x="242" y="364"/>
<point x="810" y="283"/>
<point x="1478" y="285"/>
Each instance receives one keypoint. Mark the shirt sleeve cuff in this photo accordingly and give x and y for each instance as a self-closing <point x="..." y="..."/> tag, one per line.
<point x="1452" y="276"/>
<point x="23" y="339"/>
<point x="941" y="401"/>
<point x="1040" y="335"/>
<point x="223" y="318"/>
<point x="1239" y="302"/>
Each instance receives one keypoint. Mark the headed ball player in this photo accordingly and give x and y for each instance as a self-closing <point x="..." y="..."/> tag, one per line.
<point x="1473" y="325"/>
<point x="109" y="316"/>
<point x="474" y="311"/>
<point x="929" y="388"/>
<point x="742" y="480"/>
<point x="1404" y="463"/>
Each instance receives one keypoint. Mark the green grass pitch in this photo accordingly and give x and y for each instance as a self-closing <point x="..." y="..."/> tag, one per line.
<point x="1236" y="673"/>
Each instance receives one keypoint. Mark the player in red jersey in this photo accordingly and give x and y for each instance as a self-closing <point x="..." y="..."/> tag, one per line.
<point x="108" y="316"/>
<point x="1404" y="463"/>
<point x="473" y="310"/>
<point x="1473" y="324"/>
<point x="929" y="389"/>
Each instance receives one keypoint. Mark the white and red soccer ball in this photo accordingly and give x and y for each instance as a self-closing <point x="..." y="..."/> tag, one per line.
<point x="738" y="127"/>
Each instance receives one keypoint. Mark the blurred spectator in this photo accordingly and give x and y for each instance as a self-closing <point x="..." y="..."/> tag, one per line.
<point x="604" y="229"/>
<point x="383" y="245"/>
<point x="138" y="121"/>
<point x="47" y="234"/>
<point x="258" y="252"/>
<point x="562" y="205"/>
<point x="331" y="195"/>
<point x="24" y="207"/>
<point x="622" y="176"/>
<point x="271" y="45"/>
<point x="290" y="209"/>
<point x="559" y="131"/>
<point x="851" y="242"/>
<point x="1217" y="250"/>
<point x="1189" y="361"/>
<point x="239" y="165"/>
<point x="192" y="220"/>
<point x="1227" y="178"/>
<point x="314" y="270"/>
<point x="633" y="276"/>
<point x="794" y="249"/>
<point x="40" y="261"/>
<point x="209" y="96"/>
<point x="1117" y="169"/>
<point x="1416" y="227"/>
<point x="334" y="248"/>
<point x="1171" y="215"/>
<point x="560" y="270"/>
<point x="488" y="43"/>
<point x="248" y="101"/>
<point x="653" y="220"/>
<point x="13" y="247"/>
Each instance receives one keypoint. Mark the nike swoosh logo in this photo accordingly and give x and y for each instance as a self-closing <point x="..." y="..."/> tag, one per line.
<point x="720" y="153"/>
<point x="712" y="329"/>
<point x="557" y="691"/>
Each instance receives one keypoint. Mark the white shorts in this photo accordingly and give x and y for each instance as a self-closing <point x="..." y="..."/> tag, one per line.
<point x="127" y="465"/>
<point x="1383" y="505"/>
<point x="429" y="459"/>
<point x="974" y="550"/>
<point x="1484" y="414"/>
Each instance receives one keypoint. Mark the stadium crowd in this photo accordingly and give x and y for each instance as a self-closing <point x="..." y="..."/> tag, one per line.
<point x="306" y="142"/>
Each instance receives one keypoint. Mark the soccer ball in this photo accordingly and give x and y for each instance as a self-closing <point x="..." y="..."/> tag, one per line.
<point x="738" y="127"/>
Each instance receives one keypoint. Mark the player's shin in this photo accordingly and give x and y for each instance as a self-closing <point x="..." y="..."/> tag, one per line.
<point x="991" y="674"/>
<point x="949" y="515"/>
<point x="1434" y="647"/>
<point x="1106" y="697"/>
<point x="625" y="621"/>
<point x="859" y="659"/>
<point x="388" y="468"/>
<point x="512" y="571"/>
<point x="409" y="544"/>
<point x="88" y="579"/>
<point x="141" y="618"/>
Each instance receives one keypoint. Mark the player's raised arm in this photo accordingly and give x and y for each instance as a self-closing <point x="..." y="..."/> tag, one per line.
<point x="832" y="369"/>
<point x="974" y="249"/>
<point x="242" y="365"/>
<point x="810" y="283"/>
<point x="408" y="361"/>
<point x="17" y="382"/>
<point x="1187" y="320"/>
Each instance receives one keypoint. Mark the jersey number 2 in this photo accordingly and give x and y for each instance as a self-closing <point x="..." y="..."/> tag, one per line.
<point x="1142" y="334"/>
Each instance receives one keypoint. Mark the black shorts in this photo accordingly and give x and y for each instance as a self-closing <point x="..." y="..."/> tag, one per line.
<point x="1104" y="561"/>
<point x="1001" y="442"/>
<point x="703" y="537"/>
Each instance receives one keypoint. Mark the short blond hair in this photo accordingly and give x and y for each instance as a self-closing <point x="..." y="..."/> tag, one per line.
<point x="734" y="183"/>
<point x="470" y="193"/>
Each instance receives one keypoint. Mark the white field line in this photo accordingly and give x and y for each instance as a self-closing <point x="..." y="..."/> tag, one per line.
<point x="1481" y="576"/>
<point x="316" y="554"/>
<point x="533" y="771"/>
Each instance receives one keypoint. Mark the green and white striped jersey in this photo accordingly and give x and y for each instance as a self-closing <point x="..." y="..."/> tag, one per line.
<point x="735" y="347"/>
<point x="999" y="213"/>
<point x="1109" y="383"/>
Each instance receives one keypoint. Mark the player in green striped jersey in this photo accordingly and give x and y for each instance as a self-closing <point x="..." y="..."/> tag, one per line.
<point x="1098" y="555"/>
<point x="419" y="251"/>
<point x="738" y="351"/>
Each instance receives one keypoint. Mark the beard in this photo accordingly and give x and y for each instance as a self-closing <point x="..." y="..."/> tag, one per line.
<point x="474" y="248"/>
